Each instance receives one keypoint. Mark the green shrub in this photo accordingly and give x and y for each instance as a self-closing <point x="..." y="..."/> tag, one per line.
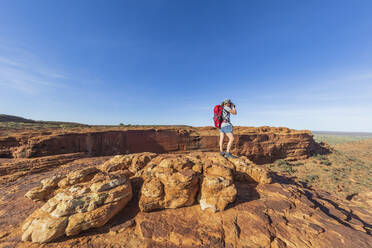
<point x="280" y="162"/>
<point x="311" y="178"/>
<point x="289" y="169"/>
<point x="320" y="157"/>
<point x="284" y="166"/>
<point x="298" y="164"/>
<point x="335" y="178"/>
<point x="328" y="163"/>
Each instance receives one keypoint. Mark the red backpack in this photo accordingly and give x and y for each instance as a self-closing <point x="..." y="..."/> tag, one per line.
<point x="217" y="116"/>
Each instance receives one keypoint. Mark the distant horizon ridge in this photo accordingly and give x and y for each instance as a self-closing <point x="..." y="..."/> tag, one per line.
<point x="15" y="118"/>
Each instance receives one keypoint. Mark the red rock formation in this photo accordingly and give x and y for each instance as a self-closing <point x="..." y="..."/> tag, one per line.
<point x="261" y="145"/>
<point x="6" y="145"/>
<point x="269" y="210"/>
<point x="16" y="168"/>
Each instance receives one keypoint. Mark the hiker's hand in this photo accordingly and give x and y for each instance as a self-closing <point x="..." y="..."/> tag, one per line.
<point x="233" y="109"/>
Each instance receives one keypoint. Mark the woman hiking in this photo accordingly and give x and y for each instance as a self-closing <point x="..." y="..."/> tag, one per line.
<point x="226" y="127"/>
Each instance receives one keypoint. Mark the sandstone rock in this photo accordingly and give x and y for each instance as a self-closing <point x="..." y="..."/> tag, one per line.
<point x="246" y="170"/>
<point x="152" y="195"/>
<point x="217" y="189"/>
<point x="284" y="216"/>
<point x="87" y="198"/>
<point x="97" y="217"/>
<point x="42" y="193"/>
<point x="14" y="169"/>
<point x="364" y="198"/>
<point x="51" y="182"/>
<point x="261" y="145"/>
<point x="264" y="212"/>
<point x="78" y="176"/>
<point x="42" y="227"/>
<point x="132" y="162"/>
<point x="171" y="183"/>
<point x="37" y="194"/>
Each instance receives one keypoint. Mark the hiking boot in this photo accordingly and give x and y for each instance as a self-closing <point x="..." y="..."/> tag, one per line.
<point x="229" y="155"/>
<point x="222" y="154"/>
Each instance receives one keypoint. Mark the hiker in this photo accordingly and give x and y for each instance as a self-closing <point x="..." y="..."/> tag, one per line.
<point x="226" y="127"/>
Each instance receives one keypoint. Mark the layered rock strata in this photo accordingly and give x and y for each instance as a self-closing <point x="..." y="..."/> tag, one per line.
<point x="81" y="200"/>
<point x="261" y="145"/>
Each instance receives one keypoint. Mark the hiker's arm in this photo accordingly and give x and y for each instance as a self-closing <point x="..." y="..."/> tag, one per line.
<point x="233" y="110"/>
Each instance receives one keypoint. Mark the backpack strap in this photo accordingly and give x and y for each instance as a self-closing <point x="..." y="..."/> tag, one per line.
<point x="223" y="113"/>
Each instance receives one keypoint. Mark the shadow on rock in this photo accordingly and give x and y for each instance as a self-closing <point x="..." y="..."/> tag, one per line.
<point x="246" y="192"/>
<point x="246" y="189"/>
<point x="320" y="148"/>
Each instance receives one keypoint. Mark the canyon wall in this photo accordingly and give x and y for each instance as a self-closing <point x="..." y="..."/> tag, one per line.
<point x="261" y="145"/>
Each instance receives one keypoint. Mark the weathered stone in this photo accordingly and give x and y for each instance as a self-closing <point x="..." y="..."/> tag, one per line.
<point x="152" y="195"/>
<point x="78" y="176"/>
<point x="87" y="198"/>
<point x="42" y="227"/>
<point x="169" y="183"/>
<point x="217" y="189"/>
<point x="96" y="217"/>
<point x="37" y="194"/>
<point x="260" y="144"/>
<point x="42" y="193"/>
<point x="246" y="170"/>
<point x="132" y="162"/>
<point x="264" y="213"/>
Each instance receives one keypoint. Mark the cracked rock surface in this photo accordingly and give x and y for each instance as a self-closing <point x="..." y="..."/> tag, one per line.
<point x="196" y="199"/>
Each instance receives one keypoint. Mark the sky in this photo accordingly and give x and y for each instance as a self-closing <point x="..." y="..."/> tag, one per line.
<point x="298" y="64"/>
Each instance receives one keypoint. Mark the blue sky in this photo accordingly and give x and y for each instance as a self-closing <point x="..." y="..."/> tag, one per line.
<point x="300" y="64"/>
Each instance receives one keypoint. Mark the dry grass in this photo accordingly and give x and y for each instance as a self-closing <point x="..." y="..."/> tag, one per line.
<point x="333" y="139"/>
<point x="347" y="170"/>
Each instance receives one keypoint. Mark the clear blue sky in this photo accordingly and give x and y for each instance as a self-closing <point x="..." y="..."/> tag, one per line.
<point x="300" y="64"/>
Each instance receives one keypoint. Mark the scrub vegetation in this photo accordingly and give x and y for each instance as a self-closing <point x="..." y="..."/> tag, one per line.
<point x="347" y="170"/>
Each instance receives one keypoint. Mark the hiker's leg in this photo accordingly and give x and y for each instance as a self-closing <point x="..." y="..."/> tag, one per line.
<point x="222" y="135"/>
<point x="231" y="139"/>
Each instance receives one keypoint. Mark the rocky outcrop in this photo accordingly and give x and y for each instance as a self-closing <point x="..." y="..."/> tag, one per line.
<point x="217" y="189"/>
<point x="134" y="163"/>
<point x="245" y="170"/>
<point x="16" y="168"/>
<point x="266" y="144"/>
<point x="261" y="145"/>
<point x="281" y="215"/>
<point x="201" y="200"/>
<point x="89" y="197"/>
<point x="169" y="182"/>
<point x="83" y="199"/>
<point x="6" y="146"/>
<point x="43" y="192"/>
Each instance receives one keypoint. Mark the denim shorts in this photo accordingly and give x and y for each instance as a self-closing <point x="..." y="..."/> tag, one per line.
<point x="226" y="129"/>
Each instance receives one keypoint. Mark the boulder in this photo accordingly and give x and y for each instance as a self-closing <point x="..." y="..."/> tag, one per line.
<point x="43" y="192"/>
<point x="78" y="176"/>
<point x="170" y="182"/>
<point x="248" y="171"/>
<point x="217" y="188"/>
<point x="80" y="204"/>
<point x="132" y="162"/>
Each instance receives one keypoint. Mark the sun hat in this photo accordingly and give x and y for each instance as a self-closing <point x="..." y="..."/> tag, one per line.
<point x="227" y="101"/>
